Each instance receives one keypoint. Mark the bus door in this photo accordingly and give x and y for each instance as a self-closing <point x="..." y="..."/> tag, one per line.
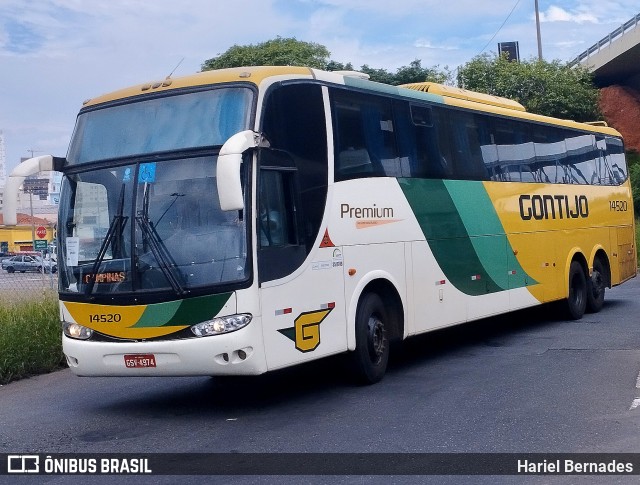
<point x="301" y="298"/>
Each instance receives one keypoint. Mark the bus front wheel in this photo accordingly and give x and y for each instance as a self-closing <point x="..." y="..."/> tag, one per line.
<point x="372" y="343"/>
<point x="577" y="299"/>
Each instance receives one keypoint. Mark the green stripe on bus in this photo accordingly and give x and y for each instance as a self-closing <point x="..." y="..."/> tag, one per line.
<point x="487" y="234"/>
<point x="464" y="234"/>
<point x="184" y="312"/>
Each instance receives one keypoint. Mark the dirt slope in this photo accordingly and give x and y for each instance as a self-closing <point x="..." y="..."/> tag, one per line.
<point x="620" y="106"/>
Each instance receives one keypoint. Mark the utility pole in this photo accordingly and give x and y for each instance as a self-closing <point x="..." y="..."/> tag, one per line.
<point x="33" y="225"/>
<point x="538" y="31"/>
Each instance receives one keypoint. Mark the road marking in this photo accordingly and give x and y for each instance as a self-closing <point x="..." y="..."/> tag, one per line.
<point x="636" y="401"/>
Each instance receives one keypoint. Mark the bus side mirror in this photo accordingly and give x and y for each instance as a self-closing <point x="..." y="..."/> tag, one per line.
<point x="43" y="163"/>
<point x="228" y="168"/>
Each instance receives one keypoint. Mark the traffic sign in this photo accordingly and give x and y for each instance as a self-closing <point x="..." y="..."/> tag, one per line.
<point x="41" y="232"/>
<point x="40" y="244"/>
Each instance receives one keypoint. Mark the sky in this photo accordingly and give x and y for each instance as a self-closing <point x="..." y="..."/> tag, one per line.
<point x="54" y="54"/>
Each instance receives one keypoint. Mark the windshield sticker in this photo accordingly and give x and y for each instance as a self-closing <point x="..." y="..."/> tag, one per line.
<point x="73" y="245"/>
<point x="127" y="175"/>
<point x="147" y="173"/>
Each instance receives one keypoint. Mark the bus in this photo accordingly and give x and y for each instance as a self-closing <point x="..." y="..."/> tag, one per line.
<point x="238" y="221"/>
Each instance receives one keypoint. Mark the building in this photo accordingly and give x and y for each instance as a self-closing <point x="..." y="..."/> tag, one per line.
<point x="20" y="237"/>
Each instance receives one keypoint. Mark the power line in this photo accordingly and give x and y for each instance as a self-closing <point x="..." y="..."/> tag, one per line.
<point x="500" y="28"/>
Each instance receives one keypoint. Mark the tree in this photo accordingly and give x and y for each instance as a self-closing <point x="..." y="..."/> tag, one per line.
<point x="275" y="52"/>
<point x="546" y="88"/>
<point x="413" y="73"/>
<point x="633" y="159"/>
<point x="291" y="52"/>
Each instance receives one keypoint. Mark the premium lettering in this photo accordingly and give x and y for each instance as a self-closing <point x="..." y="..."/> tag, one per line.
<point x="540" y="207"/>
<point x="365" y="212"/>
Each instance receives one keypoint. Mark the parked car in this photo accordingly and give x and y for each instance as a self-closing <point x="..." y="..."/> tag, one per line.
<point x="26" y="262"/>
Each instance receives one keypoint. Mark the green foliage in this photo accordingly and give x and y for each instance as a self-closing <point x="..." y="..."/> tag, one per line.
<point x="291" y="52"/>
<point x="634" y="176"/>
<point x="30" y="338"/>
<point x="546" y="88"/>
<point x="413" y="73"/>
<point x="338" y="66"/>
<point x="276" y="52"/>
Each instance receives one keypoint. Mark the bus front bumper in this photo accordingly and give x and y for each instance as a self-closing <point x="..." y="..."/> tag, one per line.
<point x="236" y="353"/>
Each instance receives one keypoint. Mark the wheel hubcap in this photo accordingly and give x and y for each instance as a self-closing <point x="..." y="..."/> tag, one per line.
<point x="597" y="283"/>
<point x="376" y="339"/>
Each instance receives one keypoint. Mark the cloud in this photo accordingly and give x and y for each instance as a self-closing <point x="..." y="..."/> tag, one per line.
<point x="56" y="53"/>
<point x="426" y="44"/>
<point x="558" y="14"/>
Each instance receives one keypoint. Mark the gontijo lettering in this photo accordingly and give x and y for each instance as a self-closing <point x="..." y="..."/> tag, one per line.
<point x="540" y="207"/>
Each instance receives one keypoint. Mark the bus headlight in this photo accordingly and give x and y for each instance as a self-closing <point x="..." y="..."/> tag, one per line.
<point x="77" y="331"/>
<point x="219" y="325"/>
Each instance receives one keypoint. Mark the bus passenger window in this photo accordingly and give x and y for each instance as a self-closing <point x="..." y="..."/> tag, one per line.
<point x="364" y="132"/>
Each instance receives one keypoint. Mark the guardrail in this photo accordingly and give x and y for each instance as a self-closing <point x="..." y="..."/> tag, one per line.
<point x="613" y="36"/>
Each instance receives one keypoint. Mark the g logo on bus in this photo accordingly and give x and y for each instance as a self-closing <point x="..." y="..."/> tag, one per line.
<point x="306" y="330"/>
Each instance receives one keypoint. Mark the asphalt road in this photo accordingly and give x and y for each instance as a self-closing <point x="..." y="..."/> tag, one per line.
<point x="525" y="382"/>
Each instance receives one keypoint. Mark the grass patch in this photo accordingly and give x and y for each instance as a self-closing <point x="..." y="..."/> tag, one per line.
<point x="30" y="337"/>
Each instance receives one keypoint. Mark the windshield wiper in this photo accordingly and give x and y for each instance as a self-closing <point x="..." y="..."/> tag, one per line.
<point x="116" y="227"/>
<point x="158" y="249"/>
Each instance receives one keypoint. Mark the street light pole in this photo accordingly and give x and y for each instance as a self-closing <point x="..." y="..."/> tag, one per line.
<point x="538" y="31"/>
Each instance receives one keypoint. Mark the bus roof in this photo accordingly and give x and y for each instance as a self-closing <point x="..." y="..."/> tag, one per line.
<point x="428" y="91"/>
<point x="254" y="75"/>
<point x="453" y="92"/>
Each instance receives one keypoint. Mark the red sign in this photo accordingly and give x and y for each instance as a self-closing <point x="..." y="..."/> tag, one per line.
<point x="41" y="232"/>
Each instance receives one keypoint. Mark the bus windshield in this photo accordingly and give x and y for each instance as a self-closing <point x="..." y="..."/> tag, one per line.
<point x="159" y="124"/>
<point x="148" y="226"/>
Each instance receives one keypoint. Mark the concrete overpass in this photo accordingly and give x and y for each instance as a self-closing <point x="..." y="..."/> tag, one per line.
<point x="615" y="59"/>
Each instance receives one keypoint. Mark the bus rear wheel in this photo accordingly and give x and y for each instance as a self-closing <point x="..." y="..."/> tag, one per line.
<point x="597" y="287"/>
<point x="578" y="294"/>
<point x="371" y="355"/>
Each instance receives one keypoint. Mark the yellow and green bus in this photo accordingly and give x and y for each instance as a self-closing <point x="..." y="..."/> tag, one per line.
<point x="244" y="220"/>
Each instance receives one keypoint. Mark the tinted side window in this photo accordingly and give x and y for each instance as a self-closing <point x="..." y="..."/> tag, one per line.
<point x="615" y="161"/>
<point x="581" y="158"/>
<point x="550" y="150"/>
<point x="364" y="136"/>
<point x="465" y="130"/>
<point x="294" y="123"/>
<point x="419" y="141"/>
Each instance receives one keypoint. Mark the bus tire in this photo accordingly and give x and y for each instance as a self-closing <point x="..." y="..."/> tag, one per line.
<point x="577" y="299"/>
<point x="371" y="355"/>
<point x="596" y="287"/>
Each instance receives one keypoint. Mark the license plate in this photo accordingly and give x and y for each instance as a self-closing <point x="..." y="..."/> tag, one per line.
<point x="139" y="360"/>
